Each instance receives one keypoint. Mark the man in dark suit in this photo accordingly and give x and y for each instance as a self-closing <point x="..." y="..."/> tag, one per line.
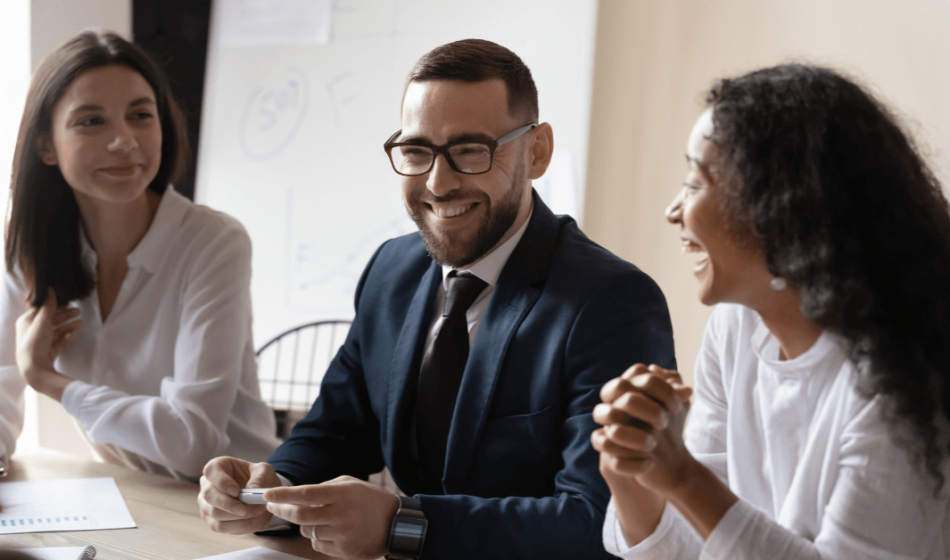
<point x="476" y="356"/>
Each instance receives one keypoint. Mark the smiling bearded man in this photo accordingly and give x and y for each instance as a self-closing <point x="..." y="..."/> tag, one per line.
<point x="476" y="356"/>
<point x="448" y="249"/>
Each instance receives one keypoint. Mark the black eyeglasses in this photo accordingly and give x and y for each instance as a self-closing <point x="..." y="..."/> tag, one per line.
<point x="471" y="157"/>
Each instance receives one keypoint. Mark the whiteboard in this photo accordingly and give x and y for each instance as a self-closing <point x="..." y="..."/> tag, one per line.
<point x="295" y="117"/>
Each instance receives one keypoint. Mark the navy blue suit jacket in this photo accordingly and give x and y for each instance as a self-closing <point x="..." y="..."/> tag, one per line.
<point x="521" y="478"/>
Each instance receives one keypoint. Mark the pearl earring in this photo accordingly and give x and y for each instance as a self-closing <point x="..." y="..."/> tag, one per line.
<point x="778" y="284"/>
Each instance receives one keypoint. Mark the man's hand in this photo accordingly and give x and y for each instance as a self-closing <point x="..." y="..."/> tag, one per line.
<point x="41" y="335"/>
<point x="221" y="483"/>
<point x="344" y="517"/>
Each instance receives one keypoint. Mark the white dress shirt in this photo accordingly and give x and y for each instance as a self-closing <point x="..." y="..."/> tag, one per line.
<point x="811" y="460"/>
<point x="169" y="380"/>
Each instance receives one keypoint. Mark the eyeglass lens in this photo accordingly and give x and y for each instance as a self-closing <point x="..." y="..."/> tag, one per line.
<point x="416" y="160"/>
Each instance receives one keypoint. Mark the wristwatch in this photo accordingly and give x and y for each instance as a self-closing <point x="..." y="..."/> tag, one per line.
<point x="408" y="531"/>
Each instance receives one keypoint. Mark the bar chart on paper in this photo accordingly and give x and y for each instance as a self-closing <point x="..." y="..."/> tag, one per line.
<point x="75" y="504"/>
<point x="51" y="523"/>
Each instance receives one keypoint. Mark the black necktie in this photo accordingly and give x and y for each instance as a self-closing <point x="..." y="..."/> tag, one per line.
<point x="441" y="375"/>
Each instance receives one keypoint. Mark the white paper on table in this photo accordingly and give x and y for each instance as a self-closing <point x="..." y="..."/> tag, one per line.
<point x="256" y="553"/>
<point x="60" y="552"/>
<point x="73" y="504"/>
<point x="246" y="23"/>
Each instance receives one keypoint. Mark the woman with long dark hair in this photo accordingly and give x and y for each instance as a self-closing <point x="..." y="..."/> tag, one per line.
<point x="819" y="427"/>
<point x="159" y="366"/>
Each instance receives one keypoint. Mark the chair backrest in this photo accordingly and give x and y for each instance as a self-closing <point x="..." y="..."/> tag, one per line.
<point x="291" y="367"/>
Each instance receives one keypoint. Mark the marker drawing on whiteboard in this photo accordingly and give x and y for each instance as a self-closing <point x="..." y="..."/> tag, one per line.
<point x="337" y="99"/>
<point x="273" y="114"/>
<point x="351" y="266"/>
<point x="323" y="279"/>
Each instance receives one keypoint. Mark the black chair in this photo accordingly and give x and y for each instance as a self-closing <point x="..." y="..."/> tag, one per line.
<point x="291" y="367"/>
<point x="290" y="370"/>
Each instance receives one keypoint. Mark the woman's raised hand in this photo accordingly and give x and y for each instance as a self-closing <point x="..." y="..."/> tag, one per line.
<point x="41" y="335"/>
<point x="643" y="415"/>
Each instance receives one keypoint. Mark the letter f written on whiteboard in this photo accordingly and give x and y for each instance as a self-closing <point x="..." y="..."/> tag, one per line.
<point x="337" y="91"/>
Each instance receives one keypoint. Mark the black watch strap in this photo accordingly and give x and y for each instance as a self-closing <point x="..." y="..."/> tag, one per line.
<point x="407" y="533"/>
<point x="410" y="507"/>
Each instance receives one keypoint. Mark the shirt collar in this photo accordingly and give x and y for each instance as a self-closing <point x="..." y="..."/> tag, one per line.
<point x="152" y="249"/>
<point x="489" y="267"/>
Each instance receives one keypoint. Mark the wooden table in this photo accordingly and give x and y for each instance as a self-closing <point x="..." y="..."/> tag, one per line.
<point x="165" y="510"/>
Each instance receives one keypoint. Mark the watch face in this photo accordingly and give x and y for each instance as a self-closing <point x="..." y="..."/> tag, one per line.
<point x="407" y="535"/>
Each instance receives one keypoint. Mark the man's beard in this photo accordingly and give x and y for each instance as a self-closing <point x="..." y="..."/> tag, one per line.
<point x="451" y="250"/>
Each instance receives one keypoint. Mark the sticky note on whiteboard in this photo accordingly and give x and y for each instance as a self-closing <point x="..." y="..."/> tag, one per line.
<point x="274" y="22"/>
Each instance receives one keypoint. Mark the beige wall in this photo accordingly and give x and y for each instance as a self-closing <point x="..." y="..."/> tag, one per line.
<point x="55" y="21"/>
<point x="656" y="58"/>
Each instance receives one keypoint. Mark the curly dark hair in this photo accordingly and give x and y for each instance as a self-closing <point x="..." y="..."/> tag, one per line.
<point x="844" y="208"/>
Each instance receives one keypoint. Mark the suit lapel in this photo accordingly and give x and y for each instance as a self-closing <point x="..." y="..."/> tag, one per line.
<point x="518" y="288"/>
<point x="404" y="371"/>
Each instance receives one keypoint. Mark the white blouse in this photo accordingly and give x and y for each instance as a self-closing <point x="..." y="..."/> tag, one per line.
<point x="811" y="461"/>
<point x="169" y="381"/>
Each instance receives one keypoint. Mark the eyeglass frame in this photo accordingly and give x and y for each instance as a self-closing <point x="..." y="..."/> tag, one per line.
<point x="444" y="149"/>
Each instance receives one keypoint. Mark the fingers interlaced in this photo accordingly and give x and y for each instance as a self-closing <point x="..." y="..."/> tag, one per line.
<point x="614" y="388"/>
<point x="646" y="410"/>
<point x="635" y="370"/>
<point x="637" y="444"/>
<point x="622" y="458"/>
<point x="650" y="379"/>
<point x="605" y="414"/>
<point x="671" y="376"/>
<point x="642" y="397"/>
<point x="660" y="390"/>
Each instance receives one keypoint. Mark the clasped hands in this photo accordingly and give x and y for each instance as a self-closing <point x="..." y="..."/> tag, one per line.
<point x="643" y="414"/>
<point x="344" y="517"/>
<point x="41" y="335"/>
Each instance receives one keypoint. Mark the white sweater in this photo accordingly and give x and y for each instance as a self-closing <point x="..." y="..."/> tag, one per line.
<point x="169" y="380"/>
<point x="811" y="461"/>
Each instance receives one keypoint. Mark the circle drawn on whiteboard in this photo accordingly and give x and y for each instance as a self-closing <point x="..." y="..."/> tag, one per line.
<point x="273" y="115"/>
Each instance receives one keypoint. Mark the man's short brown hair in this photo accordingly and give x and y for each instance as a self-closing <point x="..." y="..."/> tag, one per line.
<point x="477" y="60"/>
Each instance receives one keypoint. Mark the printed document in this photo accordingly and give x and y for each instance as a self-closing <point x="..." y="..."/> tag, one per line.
<point x="256" y="553"/>
<point x="73" y="504"/>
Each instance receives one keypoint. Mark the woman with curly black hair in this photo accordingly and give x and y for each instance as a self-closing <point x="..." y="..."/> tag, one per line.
<point x="820" y="424"/>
